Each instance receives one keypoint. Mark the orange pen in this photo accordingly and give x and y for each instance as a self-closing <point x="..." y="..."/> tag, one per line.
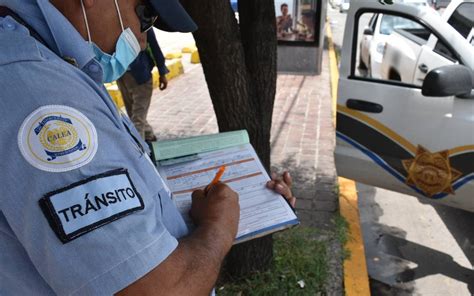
<point x="218" y="176"/>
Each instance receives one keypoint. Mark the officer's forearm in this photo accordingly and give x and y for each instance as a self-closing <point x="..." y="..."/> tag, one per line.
<point x="192" y="269"/>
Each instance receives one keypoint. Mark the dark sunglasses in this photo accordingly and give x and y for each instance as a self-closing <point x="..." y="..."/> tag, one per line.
<point x="147" y="16"/>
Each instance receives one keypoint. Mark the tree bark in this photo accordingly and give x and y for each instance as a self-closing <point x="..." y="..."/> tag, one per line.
<point x="239" y="63"/>
<point x="258" y="29"/>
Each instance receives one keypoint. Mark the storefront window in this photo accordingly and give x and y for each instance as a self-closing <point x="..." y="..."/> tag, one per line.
<point x="296" y="20"/>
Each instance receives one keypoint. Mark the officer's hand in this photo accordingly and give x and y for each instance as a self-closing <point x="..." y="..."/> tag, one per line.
<point x="282" y="185"/>
<point x="218" y="208"/>
<point x="163" y="82"/>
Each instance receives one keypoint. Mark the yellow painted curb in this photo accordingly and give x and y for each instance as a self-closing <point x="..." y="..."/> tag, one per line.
<point x="176" y="68"/>
<point x="173" y="55"/>
<point x="195" y="59"/>
<point x="356" y="277"/>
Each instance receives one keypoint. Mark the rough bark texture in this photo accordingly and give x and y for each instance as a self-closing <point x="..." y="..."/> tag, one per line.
<point x="239" y="62"/>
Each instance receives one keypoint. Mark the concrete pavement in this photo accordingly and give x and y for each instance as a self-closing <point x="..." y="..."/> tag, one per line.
<point x="414" y="248"/>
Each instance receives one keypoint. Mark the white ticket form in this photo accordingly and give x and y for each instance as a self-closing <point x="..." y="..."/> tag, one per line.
<point x="262" y="211"/>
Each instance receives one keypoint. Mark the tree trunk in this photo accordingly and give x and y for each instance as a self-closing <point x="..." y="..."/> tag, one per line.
<point x="258" y="29"/>
<point x="239" y="63"/>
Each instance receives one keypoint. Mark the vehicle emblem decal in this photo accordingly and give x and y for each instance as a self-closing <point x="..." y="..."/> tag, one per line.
<point x="374" y="139"/>
<point x="431" y="172"/>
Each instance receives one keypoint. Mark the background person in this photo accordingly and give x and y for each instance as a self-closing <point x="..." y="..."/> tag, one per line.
<point x="136" y="85"/>
<point x="284" y="22"/>
<point x="307" y="25"/>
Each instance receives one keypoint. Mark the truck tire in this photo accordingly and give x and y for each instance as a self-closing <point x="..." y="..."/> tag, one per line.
<point x="394" y="75"/>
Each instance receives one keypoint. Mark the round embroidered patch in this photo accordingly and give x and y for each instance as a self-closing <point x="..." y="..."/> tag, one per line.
<point x="57" y="139"/>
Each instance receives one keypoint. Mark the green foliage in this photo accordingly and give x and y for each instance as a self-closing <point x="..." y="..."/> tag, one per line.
<point x="336" y="189"/>
<point x="342" y="233"/>
<point x="300" y="259"/>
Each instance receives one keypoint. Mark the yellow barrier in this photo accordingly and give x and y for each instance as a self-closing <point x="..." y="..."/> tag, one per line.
<point x="189" y="49"/>
<point x="195" y="59"/>
<point x="115" y="94"/>
<point x="173" y="55"/>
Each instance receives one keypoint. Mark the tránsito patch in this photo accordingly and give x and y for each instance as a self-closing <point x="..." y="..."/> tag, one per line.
<point x="89" y="204"/>
<point x="57" y="138"/>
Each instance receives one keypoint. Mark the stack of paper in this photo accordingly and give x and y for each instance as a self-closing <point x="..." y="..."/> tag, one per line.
<point x="190" y="164"/>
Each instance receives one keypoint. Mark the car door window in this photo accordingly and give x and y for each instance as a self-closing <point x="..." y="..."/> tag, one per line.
<point x="462" y="19"/>
<point x="373" y="22"/>
<point x="397" y="50"/>
<point x="390" y="23"/>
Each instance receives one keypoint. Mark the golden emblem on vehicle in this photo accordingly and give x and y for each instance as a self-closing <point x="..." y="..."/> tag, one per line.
<point x="431" y="172"/>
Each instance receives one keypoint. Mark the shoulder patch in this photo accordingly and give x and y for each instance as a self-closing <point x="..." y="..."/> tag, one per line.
<point x="89" y="204"/>
<point x="57" y="139"/>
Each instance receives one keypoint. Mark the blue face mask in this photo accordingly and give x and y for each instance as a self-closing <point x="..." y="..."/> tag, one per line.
<point x="126" y="51"/>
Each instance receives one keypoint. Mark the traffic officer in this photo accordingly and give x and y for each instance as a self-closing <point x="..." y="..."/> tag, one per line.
<point x="83" y="210"/>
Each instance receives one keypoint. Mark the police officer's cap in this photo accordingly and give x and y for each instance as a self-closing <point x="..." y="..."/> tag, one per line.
<point x="172" y="17"/>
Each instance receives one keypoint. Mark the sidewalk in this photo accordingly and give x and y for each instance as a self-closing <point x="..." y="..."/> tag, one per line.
<point x="302" y="132"/>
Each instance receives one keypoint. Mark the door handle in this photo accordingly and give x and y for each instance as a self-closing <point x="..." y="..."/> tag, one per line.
<point x="364" y="106"/>
<point x="423" y="68"/>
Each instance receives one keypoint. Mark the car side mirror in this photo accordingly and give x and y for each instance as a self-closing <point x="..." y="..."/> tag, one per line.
<point x="452" y="80"/>
<point x="368" y="31"/>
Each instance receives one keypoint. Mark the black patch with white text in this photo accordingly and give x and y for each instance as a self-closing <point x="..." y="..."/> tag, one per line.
<point x="86" y="205"/>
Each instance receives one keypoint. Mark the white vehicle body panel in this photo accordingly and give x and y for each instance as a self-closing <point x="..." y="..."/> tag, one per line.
<point x="373" y="147"/>
<point x="432" y="61"/>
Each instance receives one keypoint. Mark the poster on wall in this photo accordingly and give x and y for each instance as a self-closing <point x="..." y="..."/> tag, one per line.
<point x="296" y="20"/>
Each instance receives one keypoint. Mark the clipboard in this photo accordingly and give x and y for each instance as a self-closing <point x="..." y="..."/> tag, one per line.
<point x="191" y="163"/>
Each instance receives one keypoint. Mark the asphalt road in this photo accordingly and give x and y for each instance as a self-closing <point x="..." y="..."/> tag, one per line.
<point x="412" y="248"/>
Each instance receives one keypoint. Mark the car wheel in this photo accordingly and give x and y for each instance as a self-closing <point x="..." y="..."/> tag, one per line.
<point x="393" y="75"/>
<point x="362" y="65"/>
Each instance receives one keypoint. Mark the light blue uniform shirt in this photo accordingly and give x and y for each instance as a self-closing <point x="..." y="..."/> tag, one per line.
<point x="94" y="256"/>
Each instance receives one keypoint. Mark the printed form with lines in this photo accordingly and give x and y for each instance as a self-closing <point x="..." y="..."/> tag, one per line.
<point x="262" y="211"/>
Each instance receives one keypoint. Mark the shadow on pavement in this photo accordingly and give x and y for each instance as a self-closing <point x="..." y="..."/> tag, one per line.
<point x="392" y="258"/>
<point x="429" y="261"/>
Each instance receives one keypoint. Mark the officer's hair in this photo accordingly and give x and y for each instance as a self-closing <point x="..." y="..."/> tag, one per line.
<point x="283" y="5"/>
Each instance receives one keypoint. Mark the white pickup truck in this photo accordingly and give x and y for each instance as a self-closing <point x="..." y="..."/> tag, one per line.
<point x="411" y="51"/>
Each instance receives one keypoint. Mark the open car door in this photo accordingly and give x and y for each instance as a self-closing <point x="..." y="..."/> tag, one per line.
<point x="391" y="135"/>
